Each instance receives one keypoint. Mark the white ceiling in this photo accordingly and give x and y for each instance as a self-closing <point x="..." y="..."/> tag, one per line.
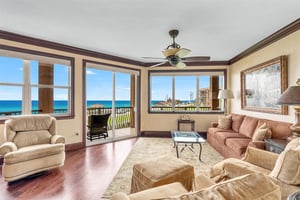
<point x="137" y="28"/>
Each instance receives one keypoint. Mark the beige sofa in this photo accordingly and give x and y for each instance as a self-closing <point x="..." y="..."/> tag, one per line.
<point x="259" y="175"/>
<point x="31" y="146"/>
<point x="233" y="140"/>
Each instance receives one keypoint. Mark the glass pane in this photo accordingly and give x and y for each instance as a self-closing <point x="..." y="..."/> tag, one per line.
<point x="51" y="100"/>
<point x="34" y="72"/>
<point x="185" y="93"/>
<point x="61" y="75"/>
<point x="61" y="101"/>
<point x="161" y="93"/>
<point x="11" y="70"/>
<point x="98" y="90"/>
<point x="10" y="100"/>
<point x="122" y="103"/>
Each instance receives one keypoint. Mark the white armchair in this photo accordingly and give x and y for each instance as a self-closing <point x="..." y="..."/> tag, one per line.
<point x="31" y="146"/>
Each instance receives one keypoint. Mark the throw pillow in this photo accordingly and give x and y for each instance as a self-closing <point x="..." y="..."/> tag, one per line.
<point x="224" y="122"/>
<point x="287" y="166"/>
<point x="261" y="133"/>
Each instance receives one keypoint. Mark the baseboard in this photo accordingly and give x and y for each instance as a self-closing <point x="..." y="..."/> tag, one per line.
<point x="165" y="134"/>
<point x="156" y="134"/>
<point x="74" y="146"/>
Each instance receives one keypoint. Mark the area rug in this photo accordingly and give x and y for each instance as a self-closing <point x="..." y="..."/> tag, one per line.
<point x="149" y="148"/>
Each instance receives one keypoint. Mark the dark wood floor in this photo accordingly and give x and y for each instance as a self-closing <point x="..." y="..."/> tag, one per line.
<point x="85" y="175"/>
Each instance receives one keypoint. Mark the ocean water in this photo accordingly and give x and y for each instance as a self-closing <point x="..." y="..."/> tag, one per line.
<point x="16" y="105"/>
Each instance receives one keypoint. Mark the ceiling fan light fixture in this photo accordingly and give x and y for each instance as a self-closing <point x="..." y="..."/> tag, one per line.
<point x="173" y="60"/>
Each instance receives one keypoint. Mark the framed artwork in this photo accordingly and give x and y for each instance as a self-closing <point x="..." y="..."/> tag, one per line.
<point x="262" y="85"/>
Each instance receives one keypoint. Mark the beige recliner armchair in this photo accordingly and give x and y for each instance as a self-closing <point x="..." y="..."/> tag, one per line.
<point x="31" y="146"/>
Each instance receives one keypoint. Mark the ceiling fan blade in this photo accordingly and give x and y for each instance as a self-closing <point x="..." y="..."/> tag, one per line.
<point x="156" y="65"/>
<point x="154" y="58"/>
<point x="196" y="58"/>
<point x="181" y="65"/>
<point x="182" y="52"/>
<point x="170" y="52"/>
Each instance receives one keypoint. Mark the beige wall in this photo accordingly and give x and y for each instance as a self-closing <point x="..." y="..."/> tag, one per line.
<point x="166" y="122"/>
<point x="289" y="46"/>
<point x="67" y="127"/>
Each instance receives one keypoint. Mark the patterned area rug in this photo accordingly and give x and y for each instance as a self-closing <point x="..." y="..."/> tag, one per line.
<point x="148" y="148"/>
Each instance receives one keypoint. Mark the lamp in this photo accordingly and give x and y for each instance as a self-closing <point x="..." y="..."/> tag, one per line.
<point x="291" y="96"/>
<point x="225" y="94"/>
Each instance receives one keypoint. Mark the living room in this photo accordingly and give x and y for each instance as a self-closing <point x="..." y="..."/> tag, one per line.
<point x="73" y="128"/>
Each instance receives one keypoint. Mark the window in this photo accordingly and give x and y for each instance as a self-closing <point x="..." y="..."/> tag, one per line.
<point x="35" y="84"/>
<point x="189" y="91"/>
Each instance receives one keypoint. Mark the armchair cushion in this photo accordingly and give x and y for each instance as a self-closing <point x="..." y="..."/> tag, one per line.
<point x="7" y="147"/>
<point x="287" y="167"/>
<point x="33" y="152"/>
<point x="28" y="138"/>
<point x="261" y="158"/>
<point x="247" y="187"/>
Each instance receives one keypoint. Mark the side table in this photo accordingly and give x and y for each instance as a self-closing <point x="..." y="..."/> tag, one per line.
<point x="275" y="145"/>
<point x="186" y="121"/>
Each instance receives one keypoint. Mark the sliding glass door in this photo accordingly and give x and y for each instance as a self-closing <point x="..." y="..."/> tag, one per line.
<point x="114" y="92"/>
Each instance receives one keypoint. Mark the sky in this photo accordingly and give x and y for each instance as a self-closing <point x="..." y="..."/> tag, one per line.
<point x="98" y="82"/>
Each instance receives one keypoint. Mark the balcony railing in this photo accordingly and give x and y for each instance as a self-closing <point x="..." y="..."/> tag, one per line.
<point x="181" y="108"/>
<point x="122" y="115"/>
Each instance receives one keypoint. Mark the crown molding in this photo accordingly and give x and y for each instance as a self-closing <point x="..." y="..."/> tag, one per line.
<point x="290" y="28"/>
<point x="62" y="47"/>
<point x="285" y="31"/>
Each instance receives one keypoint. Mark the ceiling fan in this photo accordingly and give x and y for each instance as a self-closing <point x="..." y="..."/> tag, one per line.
<point x="175" y="55"/>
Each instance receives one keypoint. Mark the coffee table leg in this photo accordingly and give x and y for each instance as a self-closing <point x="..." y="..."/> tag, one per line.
<point x="200" y="152"/>
<point x="176" y="145"/>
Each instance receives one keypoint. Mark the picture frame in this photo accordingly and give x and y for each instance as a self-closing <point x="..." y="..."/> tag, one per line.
<point x="262" y="85"/>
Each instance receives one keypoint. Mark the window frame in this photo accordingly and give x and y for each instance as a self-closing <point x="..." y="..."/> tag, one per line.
<point x="182" y="73"/>
<point x="34" y="53"/>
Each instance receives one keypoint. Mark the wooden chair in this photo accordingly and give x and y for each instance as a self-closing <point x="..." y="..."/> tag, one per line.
<point x="97" y="125"/>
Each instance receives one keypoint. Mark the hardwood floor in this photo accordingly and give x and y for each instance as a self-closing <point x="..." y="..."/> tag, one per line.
<point x="85" y="175"/>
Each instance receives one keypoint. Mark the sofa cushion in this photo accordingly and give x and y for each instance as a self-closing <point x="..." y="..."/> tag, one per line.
<point x="261" y="133"/>
<point x="238" y="145"/>
<point x="27" y="138"/>
<point x="280" y="130"/>
<point x="236" y="121"/>
<point x="287" y="166"/>
<point x="213" y="131"/>
<point x="224" y="122"/>
<point x="223" y="136"/>
<point x="33" y="152"/>
<point x="248" y="126"/>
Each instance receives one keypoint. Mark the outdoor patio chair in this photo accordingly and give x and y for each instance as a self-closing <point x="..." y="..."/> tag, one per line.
<point x="97" y="126"/>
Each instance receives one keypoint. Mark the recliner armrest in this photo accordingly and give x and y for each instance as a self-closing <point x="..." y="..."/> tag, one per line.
<point x="7" y="147"/>
<point x="56" y="139"/>
<point x="261" y="158"/>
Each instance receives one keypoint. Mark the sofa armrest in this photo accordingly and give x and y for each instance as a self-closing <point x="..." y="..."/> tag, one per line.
<point x="7" y="147"/>
<point x="56" y="139"/>
<point x="119" y="196"/>
<point x="214" y="124"/>
<point x="261" y="158"/>
<point x="257" y="144"/>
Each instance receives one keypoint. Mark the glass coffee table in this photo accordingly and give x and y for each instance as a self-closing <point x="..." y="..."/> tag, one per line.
<point x="187" y="137"/>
